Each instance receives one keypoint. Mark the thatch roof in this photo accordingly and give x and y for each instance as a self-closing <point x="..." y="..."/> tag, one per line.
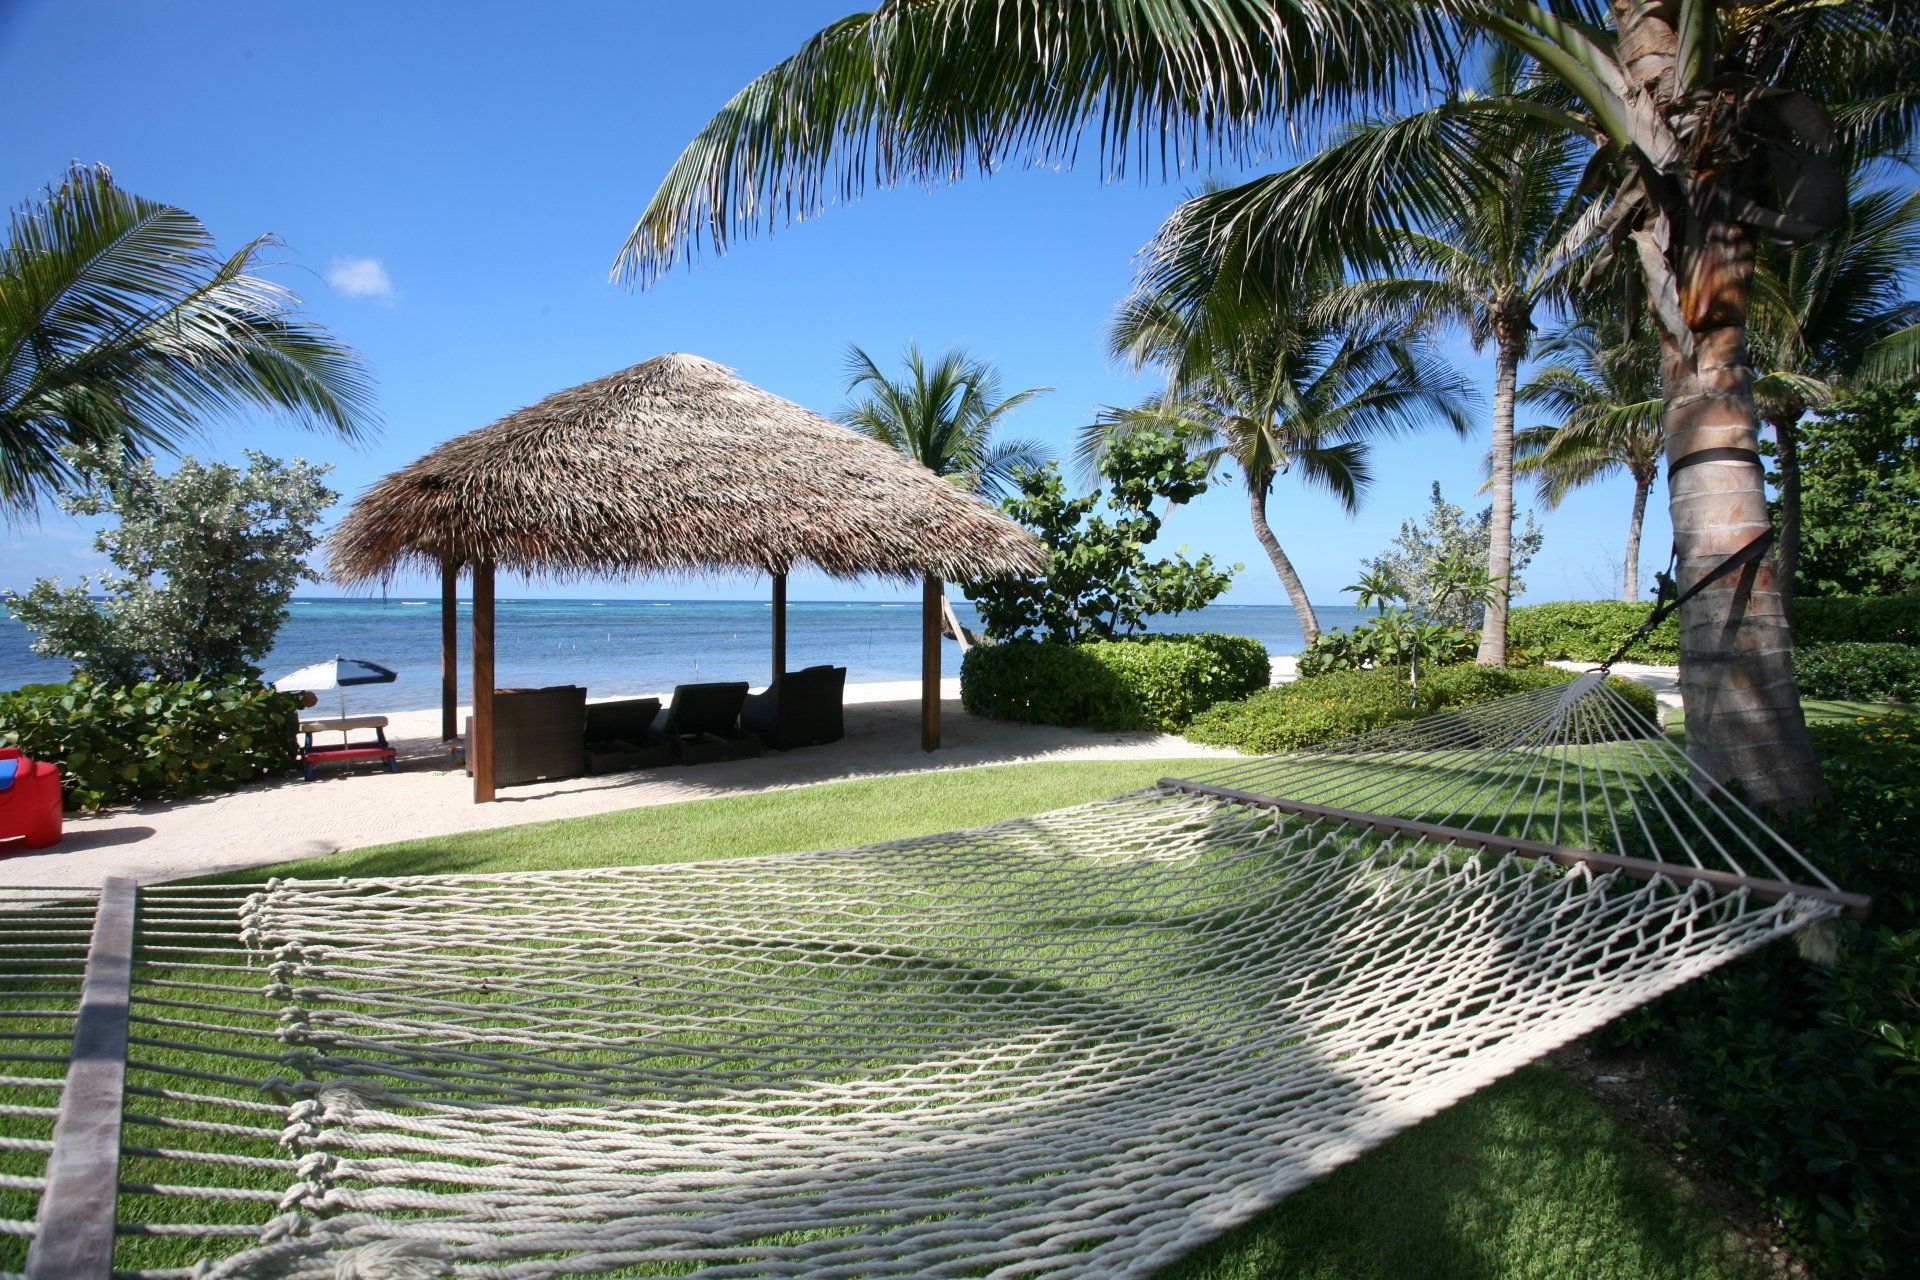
<point x="677" y="466"/>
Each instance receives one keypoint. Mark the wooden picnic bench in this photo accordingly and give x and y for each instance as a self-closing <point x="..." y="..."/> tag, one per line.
<point x="348" y="750"/>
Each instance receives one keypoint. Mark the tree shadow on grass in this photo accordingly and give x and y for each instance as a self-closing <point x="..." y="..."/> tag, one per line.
<point x="1528" y="1180"/>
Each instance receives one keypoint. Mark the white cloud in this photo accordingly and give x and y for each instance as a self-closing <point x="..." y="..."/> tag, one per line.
<point x="361" y="278"/>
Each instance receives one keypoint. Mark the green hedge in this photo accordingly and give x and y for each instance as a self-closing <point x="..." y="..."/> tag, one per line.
<point x="1866" y="619"/>
<point x="1803" y="1078"/>
<point x="1144" y="682"/>
<point x="1590" y="630"/>
<point x="152" y="741"/>
<point x="1869" y="672"/>
<point x="1321" y="708"/>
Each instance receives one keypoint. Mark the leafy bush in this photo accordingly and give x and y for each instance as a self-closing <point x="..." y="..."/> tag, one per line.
<point x="1590" y="631"/>
<point x="1867" y="619"/>
<point x="1871" y="672"/>
<point x="1099" y="583"/>
<point x="1322" y="708"/>
<point x="1144" y="682"/>
<point x="1804" y="1079"/>
<point x="155" y="740"/>
<point x="1387" y="641"/>
<point x="204" y="560"/>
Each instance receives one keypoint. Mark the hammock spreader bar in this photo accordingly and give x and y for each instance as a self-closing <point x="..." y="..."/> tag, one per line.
<point x="1858" y="906"/>
<point x="74" y="1232"/>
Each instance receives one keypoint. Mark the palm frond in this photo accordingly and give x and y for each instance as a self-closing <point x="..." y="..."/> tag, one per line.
<point x="122" y="329"/>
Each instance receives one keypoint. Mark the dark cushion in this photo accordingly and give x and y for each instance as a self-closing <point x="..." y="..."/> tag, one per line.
<point x="799" y="709"/>
<point x="705" y="708"/>
<point x="629" y="719"/>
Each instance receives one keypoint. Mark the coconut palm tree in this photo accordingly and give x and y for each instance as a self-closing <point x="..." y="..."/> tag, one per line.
<point x="1711" y="123"/>
<point x="1278" y="391"/>
<point x="1824" y="312"/>
<point x="1487" y="268"/>
<point x="943" y="414"/>
<point x="123" y="331"/>
<point x="1605" y="388"/>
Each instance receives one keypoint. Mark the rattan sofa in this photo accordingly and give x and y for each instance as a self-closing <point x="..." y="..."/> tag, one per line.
<point x="538" y="734"/>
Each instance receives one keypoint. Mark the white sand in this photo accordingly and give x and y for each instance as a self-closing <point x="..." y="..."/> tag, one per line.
<point x="350" y="807"/>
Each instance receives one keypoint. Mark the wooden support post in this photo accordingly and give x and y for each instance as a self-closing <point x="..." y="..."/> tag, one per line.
<point x="933" y="592"/>
<point x="449" y="651"/>
<point x="779" y="625"/>
<point x="480" y="741"/>
<point x="73" y="1234"/>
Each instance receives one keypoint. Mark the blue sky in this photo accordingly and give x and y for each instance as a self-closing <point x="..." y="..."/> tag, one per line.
<point x="452" y="182"/>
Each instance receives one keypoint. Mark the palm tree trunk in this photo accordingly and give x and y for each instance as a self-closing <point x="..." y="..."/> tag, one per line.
<point x="1786" y="438"/>
<point x="1744" y="722"/>
<point x="1493" y="626"/>
<point x="1630" y="580"/>
<point x="1296" y="591"/>
<point x="1736" y="670"/>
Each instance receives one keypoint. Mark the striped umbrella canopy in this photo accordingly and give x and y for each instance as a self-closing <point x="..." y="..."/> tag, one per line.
<point x="335" y="673"/>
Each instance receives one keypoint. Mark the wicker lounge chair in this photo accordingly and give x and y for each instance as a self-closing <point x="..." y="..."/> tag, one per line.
<point x="703" y="723"/>
<point x="621" y="736"/>
<point x="799" y="709"/>
<point x="537" y="734"/>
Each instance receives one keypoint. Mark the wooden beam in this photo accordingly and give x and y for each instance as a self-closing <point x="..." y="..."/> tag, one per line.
<point x="449" y="651"/>
<point x="933" y="592"/>
<point x="73" y="1233"/>
<point x="480" y="744"/>
<point x="1852" y="904"/>
<point x="779" y="625"/>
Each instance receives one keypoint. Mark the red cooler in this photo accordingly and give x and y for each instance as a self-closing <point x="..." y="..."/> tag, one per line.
<point x="29" y="802"/>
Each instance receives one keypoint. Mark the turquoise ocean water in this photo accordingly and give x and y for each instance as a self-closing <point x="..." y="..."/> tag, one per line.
<point x="633" y="646"/>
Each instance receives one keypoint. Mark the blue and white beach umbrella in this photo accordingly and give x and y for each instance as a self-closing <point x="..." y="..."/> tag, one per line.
<point x="335" y="673"/>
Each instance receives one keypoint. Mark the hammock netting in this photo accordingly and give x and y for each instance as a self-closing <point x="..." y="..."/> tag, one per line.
<point x="1077" y="1044"/>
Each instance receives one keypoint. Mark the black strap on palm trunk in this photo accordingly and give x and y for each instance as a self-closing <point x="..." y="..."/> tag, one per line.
<point x="1663" y="608"/>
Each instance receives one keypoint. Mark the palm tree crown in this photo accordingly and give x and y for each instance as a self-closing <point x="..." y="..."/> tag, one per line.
<point x="1605" y="389"/>
<point x="943" y="414"/>
<point x="1278" y="390"/>
<point x="123" y="331"/>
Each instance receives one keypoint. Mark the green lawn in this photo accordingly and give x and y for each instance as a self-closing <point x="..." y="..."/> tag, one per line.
<point x="1529" y="1178"/>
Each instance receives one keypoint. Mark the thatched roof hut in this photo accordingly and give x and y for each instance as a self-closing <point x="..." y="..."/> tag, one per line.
<point x="675" y="465"/>
<point x="672" y="466"/>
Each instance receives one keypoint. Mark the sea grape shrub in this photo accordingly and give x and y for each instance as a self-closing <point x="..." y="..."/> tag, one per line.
<point x="1318" y="709"/>
<point x="155" y="740"/>
<point x="1100" y="582"/>
<point x="1866" y="672"/>
<point x="1802" y="1078"/>
<point x="1142" y="682"/>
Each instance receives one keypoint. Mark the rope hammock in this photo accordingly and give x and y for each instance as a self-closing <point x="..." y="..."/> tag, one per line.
<point x="1071" y="1045"/>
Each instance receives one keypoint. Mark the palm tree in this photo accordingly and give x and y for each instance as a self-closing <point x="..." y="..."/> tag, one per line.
<point x="1278" y="391"/>
<point x="1487" y="268"/>
<point x="943" y="415"/>
<point x="1711" y="123"/>
<point x="1605" y="389"/>
<point x="123" y="331"/>
<point x="1824" y="312"/>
